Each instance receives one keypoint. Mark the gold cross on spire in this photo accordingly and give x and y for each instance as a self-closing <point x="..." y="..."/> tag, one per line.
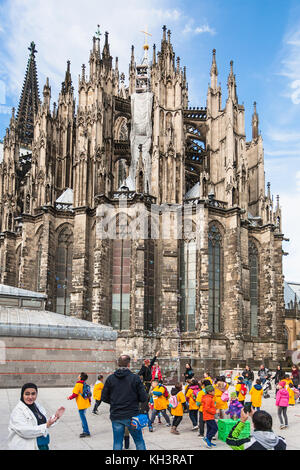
<point x="146" y="45"/>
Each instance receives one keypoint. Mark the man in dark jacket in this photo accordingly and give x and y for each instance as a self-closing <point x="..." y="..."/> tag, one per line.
<point x="262" y="438"/>
<point x="124" y="390"/>
<point x="146" y="372"/>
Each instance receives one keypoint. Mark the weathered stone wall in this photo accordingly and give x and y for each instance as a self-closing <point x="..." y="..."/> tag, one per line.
<point x="53" y="362"/>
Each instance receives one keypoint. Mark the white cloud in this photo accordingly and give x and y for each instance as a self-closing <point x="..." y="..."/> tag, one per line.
<point x="190" y="28"/>
<point x="63" y="30"/>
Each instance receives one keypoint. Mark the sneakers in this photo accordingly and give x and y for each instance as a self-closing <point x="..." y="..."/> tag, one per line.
<point x="168" y="425"/>
<point x="174" y="430"/>
<point x="84" y="434"/>
<point x="208" y="443"/>
<point x="195" y="428"/>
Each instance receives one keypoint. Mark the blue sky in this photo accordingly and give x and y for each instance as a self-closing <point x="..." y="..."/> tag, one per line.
<point x="262" y="37"/>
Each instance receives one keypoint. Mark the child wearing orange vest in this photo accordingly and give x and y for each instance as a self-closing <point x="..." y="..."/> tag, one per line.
<point x="209" y="411"/>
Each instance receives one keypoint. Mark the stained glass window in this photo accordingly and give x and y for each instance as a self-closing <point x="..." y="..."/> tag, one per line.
<point x="214" y="279"/>
<point x="187" y="314"/>
<point x="63" y="272"/>
<point x="120" y="313"/>
<point x="253" y="266"/>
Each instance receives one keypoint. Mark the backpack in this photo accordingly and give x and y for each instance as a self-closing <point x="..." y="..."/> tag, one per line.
<point x="86" y="391"/>
<point x="173" y="402"/>
<point x="225" y="396"/>
<point x="243" y="389"/>
<point x="139" y="422"/>
<point x="166" y="393"/>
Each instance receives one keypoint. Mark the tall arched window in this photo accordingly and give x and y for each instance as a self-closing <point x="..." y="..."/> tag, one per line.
<point x="254" y="298"/>
<point x="149" y="285"/>
<point x="39" y="265"/>
<point x="120" y="312"/>
<point x="214" y="278"/>
<point x="63" y="272"/>
<point x="187" y="314"/>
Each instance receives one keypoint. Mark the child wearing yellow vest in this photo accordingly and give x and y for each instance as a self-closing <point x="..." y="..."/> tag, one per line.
<point x="177" y="412"/>
<point x="290" y="388"/>
<point x="191" y="396"/>
<point x="82" y="403"/>
<point x="221" y="405"/>
<point x="241" y="389"/>
<point x="160" y="402"/>
<point x="97" y="392"/>
<point x="256" y="394"/>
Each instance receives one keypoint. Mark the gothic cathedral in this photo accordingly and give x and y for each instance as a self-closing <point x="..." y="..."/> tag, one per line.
<point x="133" y="210"/>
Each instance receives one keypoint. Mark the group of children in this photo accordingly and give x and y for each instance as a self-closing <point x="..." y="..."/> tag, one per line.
<point x="205" y="401"/>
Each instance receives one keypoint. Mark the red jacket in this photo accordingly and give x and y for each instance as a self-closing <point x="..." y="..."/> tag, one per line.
<point x="209" y="409"/>
<point x="159" y="376"/>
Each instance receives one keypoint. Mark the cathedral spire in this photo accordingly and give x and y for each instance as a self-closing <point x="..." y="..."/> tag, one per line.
<point x="106" y="57"/>
<point x="214" y="72"/>
<point x="67" y="83"/>
<point x="231" y="83"/>
<point x="29" y="100"/>
<point x="255" y="122"/>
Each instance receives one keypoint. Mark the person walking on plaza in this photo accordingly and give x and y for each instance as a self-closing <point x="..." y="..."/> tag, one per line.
<point x="97" y="391"/>
<point x="262" y="438"/>
<point x="160" y="401"/>
<point x="256" y="394"/>
<point x="189" y="373"/>
<point x="124" y="391"/>
<point x="282" y="403"/>
<point x="177" y="403"/>
<point x="278" y="376"/>
<point x="295" y="375"/>
<point x="209" y="411"/>
<point x="156" y="372"/>
<point x="191" y="396"/>
<point x="263" y="374"/>
<point x="248" y="375"/>
<point x="28" y="425"/>
<point x="82" y="394"/>
<point x="146" y="372"/>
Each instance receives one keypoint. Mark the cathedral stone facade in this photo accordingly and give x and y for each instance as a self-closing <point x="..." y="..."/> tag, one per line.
<point x="134" y="210"/>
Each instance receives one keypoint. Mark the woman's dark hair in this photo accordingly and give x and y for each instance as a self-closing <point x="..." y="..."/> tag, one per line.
<point x="84" y="376"/>
<point x="25" y="387"/>
<point x="100" y="377"/>
<point x="262" y="421"/>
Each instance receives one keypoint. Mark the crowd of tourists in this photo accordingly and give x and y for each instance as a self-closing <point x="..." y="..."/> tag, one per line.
<point x="143" y="401"/>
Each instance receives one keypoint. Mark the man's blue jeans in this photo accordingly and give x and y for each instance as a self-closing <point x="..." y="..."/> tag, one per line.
<point x="84" y="423"/>
<point x="118" y="432"/>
